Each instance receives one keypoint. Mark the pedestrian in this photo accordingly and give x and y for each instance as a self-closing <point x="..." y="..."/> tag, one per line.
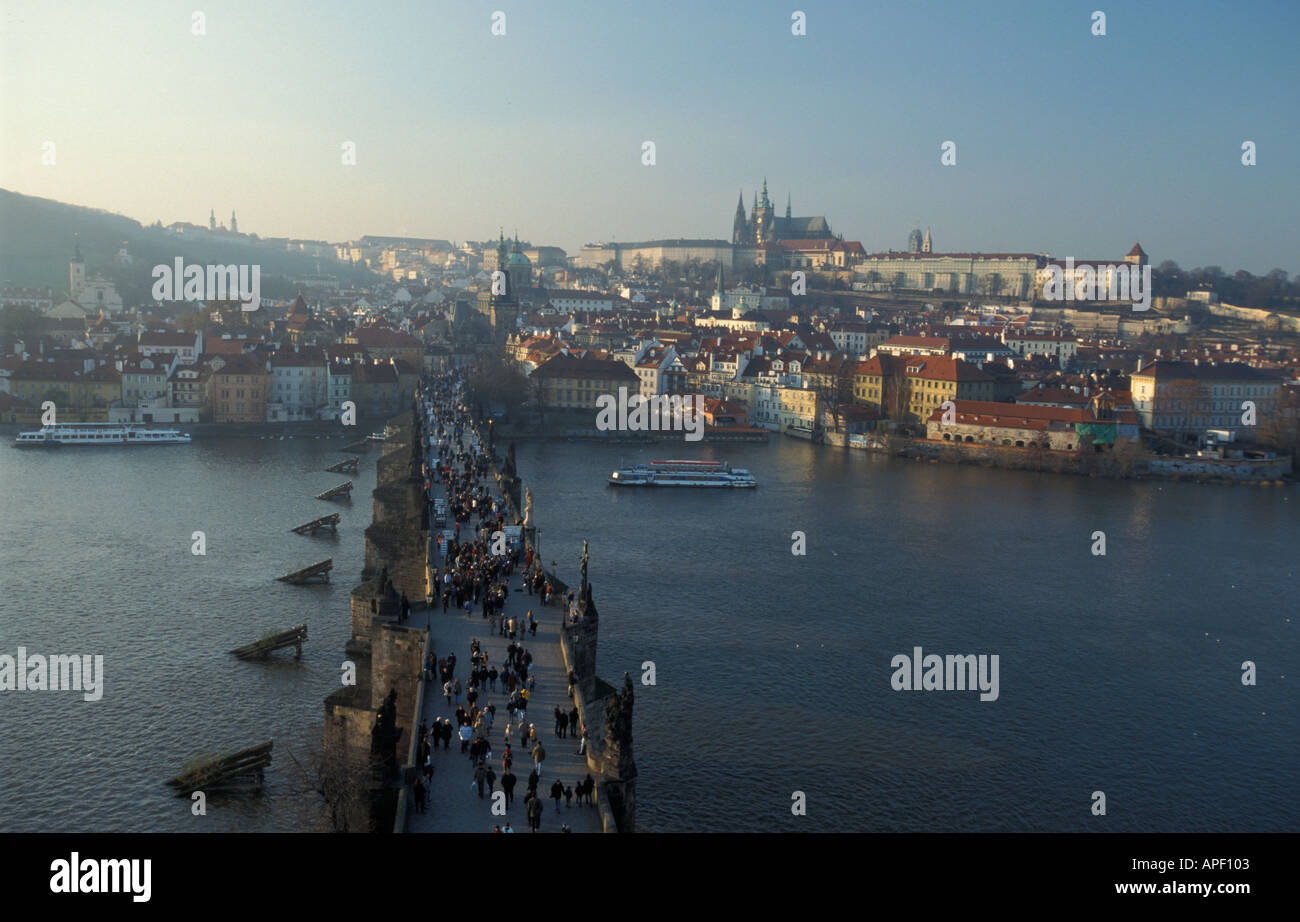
<point x="539" y="756"/>
<point x="534" y="813"/>
<point x="561" y="718"/>
<point x="568" y="797"/>
<point x="446" y="691"/>
<point x="557" y="791"/>
<point x="508" y="780"/>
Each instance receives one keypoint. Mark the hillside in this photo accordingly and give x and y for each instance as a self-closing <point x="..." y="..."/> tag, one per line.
<point x="37" y="237"/>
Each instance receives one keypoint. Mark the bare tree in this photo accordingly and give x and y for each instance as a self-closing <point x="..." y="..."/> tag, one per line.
<point x="1279" y="426"/>
<point x="334" y="793"/>
<point x="1185" y="399"/>
<point x="896" y="398"/>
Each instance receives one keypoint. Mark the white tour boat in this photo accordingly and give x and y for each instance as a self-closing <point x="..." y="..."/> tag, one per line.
<point x="683" y="474"/>
<point x="99" y="434"/>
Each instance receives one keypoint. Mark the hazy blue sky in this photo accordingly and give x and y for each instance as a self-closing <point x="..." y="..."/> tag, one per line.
<point x="1066" y="143"/>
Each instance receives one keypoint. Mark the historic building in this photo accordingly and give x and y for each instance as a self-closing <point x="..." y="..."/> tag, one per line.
<point x="1186" y="398"/>
<point x="764" y="227"/>
<point x="499" y="303"/>
<point x="1011" y="274"/>
<point x="1015" y="425"/>
<point x="909" y="387"/>
<point x="87" y="295"/>
<point x="572" y="382"/>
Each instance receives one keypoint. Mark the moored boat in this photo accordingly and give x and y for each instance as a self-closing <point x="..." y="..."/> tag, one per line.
<point x="60" y="434"/>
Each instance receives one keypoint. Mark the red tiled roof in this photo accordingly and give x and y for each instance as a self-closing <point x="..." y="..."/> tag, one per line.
<point x="1020" y="416"/>
<point x="933" y="367"/>
<point x="568" y="366"/>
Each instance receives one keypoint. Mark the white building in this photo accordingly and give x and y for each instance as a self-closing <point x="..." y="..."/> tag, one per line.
<point x="187" y="347"/>
<point x="745" y="299"/>
<point x="1010" y="274"/>
<point x="299" y="386"/>
<point x="1062" y="349"/>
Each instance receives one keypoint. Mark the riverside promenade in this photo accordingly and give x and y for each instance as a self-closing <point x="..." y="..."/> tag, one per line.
<point x="453" y="803"/>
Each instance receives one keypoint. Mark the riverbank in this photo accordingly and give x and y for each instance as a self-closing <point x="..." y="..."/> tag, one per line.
<point x="286" y="430"/>
<point x="1265" y="472"/>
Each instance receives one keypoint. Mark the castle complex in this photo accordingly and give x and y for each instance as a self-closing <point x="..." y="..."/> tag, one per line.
<point x="763" y="227"/>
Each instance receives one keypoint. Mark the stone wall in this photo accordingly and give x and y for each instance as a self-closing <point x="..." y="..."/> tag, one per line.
<point x="396" y="662"/>
<point x="1228" y="469"/>
<point x="388" y="655"/>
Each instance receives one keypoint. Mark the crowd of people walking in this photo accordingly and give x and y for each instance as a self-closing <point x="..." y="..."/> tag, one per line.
<point x="474" y="575"/>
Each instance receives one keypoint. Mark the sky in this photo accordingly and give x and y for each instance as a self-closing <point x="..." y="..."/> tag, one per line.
<point x="1066" y="142"/>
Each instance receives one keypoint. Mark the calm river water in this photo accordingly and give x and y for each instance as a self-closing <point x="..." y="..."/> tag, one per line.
<point x="1118" y="673"/>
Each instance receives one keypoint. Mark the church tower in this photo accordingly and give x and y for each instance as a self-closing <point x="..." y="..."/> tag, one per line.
<point x="234" y="225"/>
<point x="519" y="268"/>
<point x="925" y="245"/>
<point x="212" y="219"/>
<point x="738" y="225"/>
<point x="503" y="309"/>
<point x="76" y="273"/>
<point x="763" y="218"/>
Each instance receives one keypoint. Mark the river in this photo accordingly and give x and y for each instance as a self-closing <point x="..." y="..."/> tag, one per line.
<point x="1118" y="673"/>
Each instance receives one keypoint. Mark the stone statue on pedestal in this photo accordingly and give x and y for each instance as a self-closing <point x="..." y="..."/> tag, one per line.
<point x="618" y="720"/>
<point x="584" y="566"/>
<point x="528" y="508"/>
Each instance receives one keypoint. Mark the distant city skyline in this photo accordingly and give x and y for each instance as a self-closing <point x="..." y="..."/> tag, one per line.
<point x="1066" y="142"/>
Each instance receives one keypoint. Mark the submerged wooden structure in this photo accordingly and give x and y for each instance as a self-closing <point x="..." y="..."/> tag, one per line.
<point x="317" y="571"/>
<point x="209" y="773"/>
<point x="330" y="521"/>
<point x="343" y="489"/>
<point x="358" y="447"/>
<point x="346" y="466"/>
<point x="261" y="649"/>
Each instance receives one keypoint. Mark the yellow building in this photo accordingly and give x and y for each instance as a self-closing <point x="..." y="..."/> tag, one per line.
<point x="98" y="387"/>
<point x="572" y="382"/>
<point x="908" y="388"/>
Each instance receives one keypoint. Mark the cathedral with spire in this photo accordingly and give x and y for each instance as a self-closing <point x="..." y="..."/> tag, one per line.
<point x="764" y="227"/>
